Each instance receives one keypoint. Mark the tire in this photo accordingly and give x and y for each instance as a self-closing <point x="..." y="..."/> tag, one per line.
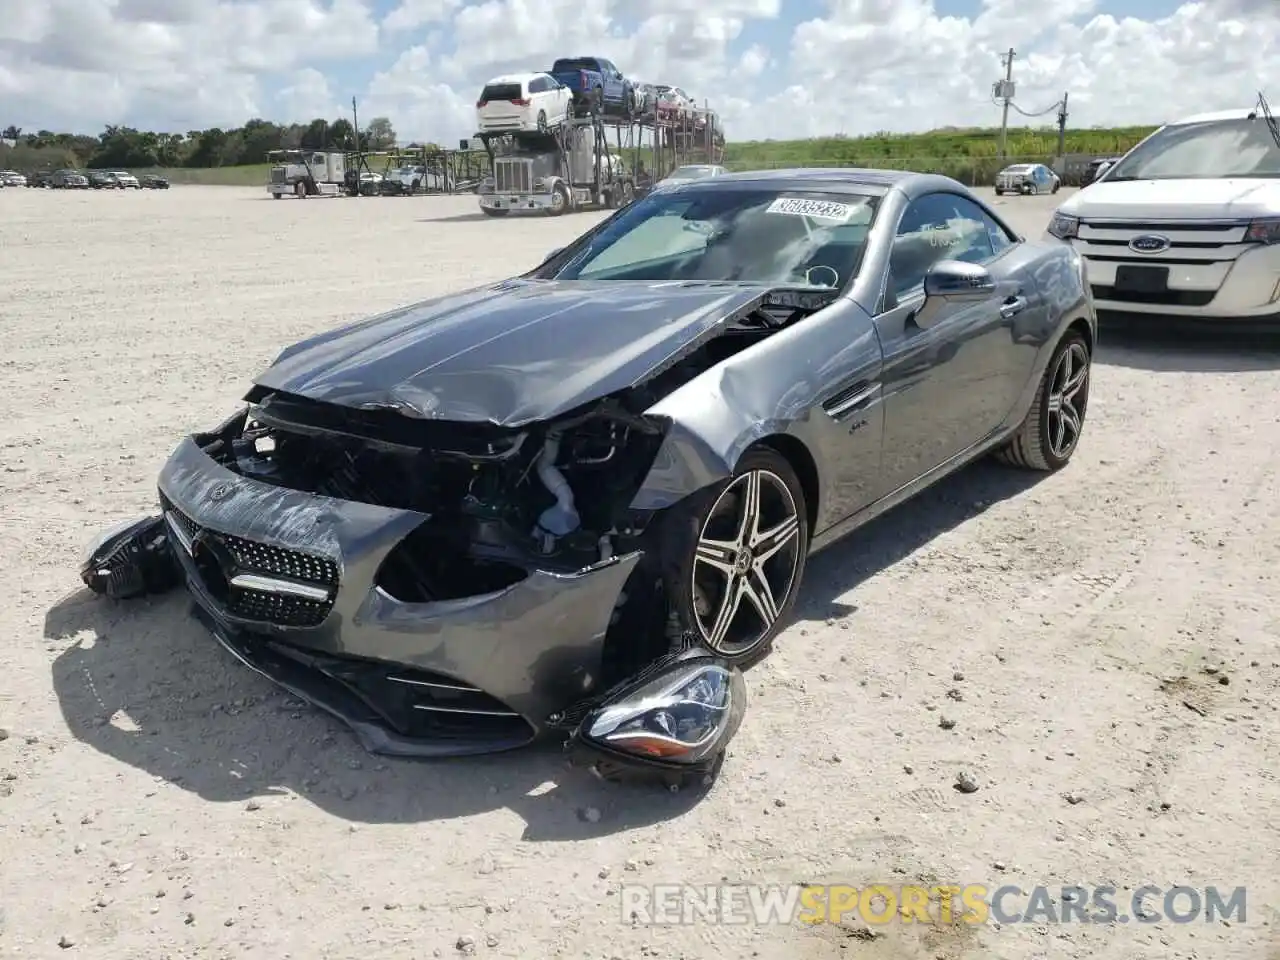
<point x="1033" y="190"/>
<point x="542" y="121"/>
<point x="701" y="563"/>
<point x="1057" y="185"/>
<point x="493" y="212"/>
<point x="1040" y="443"/>
<point x="999" y="193"/>
<point x="597" y="102"/>
<point x="560" y="200"/>
<point x="300" y="190"/>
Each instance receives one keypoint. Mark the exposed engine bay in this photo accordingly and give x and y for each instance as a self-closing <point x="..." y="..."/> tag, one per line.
<point x="499" y="502"/>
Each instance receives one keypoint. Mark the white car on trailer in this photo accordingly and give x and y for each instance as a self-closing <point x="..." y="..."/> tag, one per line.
<point x="523" y="103"/>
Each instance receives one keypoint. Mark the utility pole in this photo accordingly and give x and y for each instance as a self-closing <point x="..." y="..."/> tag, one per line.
<point x="1062" y="129"/>
<point x="1008" y="95"/>
<point x="355" y="122"/>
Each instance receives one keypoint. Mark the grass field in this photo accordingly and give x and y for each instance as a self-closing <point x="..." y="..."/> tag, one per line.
<point x="971" y="156"/>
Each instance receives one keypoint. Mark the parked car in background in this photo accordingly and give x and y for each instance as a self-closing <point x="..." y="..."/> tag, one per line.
<point x="522" y="103"/>
<point x="1028" y="178"/>
<point x="694" y="171"/>
<point x="69" y="180"/>
<point x="1096" y="169"/>
<point x="40" y="178"/>
<point x="1185" y="225"/>
<point x="12" y="178"/>
<point x="598" y="86"/>
<point x="153" y="181"/>
<point x="126" y="180"/>
<point x="103" y="180"/>
<point x="644" y="99"/>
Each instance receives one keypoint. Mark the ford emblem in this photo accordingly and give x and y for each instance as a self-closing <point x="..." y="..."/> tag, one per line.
<point x="1150" y="243"/>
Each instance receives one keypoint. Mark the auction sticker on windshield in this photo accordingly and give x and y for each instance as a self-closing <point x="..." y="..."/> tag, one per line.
<point x="820" y="209"/>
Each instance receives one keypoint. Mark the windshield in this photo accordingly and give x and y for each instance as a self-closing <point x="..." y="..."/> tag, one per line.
<point x="1198" y="151"/>
<point x="773" y="236"/>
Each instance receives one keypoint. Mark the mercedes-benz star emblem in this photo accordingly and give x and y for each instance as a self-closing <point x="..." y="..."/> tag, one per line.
<point x="220" y="492"/>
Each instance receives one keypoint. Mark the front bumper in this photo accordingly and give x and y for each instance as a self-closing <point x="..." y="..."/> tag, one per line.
<point x="1237" y="288"/>
<point x="517" y="201"/>
<point x="475" y="675"/>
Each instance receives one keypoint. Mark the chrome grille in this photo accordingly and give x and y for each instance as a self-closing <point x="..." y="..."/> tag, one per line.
<point x="512" y="175"/>
<point x="288" y="588"/>
<point x="1190" y="242"/>
<point x="278" y="175"/>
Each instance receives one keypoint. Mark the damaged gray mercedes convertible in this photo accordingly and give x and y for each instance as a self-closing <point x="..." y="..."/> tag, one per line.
<point x="579" y="503"/>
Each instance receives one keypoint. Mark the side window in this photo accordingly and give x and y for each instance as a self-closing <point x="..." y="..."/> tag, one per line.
<point x="537" y="85"/>
<point x="937" y="226"/>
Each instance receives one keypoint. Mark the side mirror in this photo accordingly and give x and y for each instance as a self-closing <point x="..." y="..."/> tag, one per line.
<point x="952" y="281"/>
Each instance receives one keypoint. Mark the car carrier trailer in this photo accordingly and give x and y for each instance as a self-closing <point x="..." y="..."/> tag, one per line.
<point x="570" y="168"/>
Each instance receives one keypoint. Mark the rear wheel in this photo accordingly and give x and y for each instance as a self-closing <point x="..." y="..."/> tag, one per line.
<point x="1032" y="190"/>
<point x="1049" y="434"/>
<point x="597" y="101"/>
<point x="542" y="121"/>
<point x="736" y="556"/>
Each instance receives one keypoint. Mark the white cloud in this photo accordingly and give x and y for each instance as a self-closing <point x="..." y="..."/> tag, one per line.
<point x="864" y="65"/>
<point x="308" y="97"/>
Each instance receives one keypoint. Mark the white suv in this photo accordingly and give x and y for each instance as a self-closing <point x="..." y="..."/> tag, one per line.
<point x="1186" y="224"/>
<point x="523" y="103"/>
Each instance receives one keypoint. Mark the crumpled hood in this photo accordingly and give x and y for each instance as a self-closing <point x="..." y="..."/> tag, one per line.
<point x="1241" y="198"/>
<point x="511" y="353"/>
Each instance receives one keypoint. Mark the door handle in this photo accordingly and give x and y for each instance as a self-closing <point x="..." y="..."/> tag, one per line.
<point x="1013" y="306"/>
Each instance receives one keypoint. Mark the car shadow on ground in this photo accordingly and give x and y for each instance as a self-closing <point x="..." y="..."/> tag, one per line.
<point x="1189" y="349"/>
<point x="145" y="684"/>
<point x="896" y="535"/>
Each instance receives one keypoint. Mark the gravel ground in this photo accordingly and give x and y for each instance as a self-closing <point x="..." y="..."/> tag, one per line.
<point x="1102" y="644"/>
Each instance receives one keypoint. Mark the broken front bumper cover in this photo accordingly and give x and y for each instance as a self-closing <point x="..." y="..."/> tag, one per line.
<point x="460" y="677"/>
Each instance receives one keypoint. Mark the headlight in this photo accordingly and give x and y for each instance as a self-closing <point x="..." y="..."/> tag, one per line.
<point x="130" y="559"/>
<point x="1064" y="227"/>
<point x="684" y="715"/>
<point x="1263" y="231"/>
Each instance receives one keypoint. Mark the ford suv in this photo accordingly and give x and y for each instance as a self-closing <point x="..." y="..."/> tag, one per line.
<point x="1186" y="224"/>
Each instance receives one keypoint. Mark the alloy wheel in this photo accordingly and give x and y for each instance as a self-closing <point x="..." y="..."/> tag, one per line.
<point x="745" y="562"/>
<point x="1068" y="395"/>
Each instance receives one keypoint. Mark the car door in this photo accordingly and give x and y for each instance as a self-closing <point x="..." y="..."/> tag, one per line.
<point x="612" y="81"/>
<point x="945" y="387"/>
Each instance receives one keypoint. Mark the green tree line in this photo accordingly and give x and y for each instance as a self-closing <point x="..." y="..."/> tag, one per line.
<point x="129" y="148"/>
<point x="970" y="155"/>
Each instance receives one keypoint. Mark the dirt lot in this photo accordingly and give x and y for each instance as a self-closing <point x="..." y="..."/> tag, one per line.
<point x="1105" y="641"/>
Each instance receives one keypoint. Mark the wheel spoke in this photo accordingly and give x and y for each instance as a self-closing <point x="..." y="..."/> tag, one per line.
<point x="718" y="554"/>
<point x="1071" y="420"/>
<point x="768" y="542"/>
<point x="755" y="586"/>
<point x="729" y="604"/>
<point x="1058" y="425"/>
<point x="749" y="516"/>
<point x="1075" y="383"/>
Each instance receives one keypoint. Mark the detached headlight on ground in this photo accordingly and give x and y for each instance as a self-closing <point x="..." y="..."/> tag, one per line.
<point x="129" y="559"/>
<point x="685" y="715"/>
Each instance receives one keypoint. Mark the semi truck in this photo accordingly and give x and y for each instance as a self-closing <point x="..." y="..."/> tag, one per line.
<point x="567" y="169"/>
<point x="307" y="173"/>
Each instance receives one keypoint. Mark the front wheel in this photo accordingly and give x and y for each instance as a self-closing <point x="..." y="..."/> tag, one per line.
<point x="559" y="200"/>
<point x="1057" y="185"/>
<point x="736" y="557"/>
<point x="1032" y="190"/>
<point x="300" y="190"/>
<point x="1051" y="431"/>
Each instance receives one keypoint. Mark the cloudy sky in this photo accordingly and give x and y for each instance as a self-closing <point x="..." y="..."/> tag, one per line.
<point x="772" y="68"/>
